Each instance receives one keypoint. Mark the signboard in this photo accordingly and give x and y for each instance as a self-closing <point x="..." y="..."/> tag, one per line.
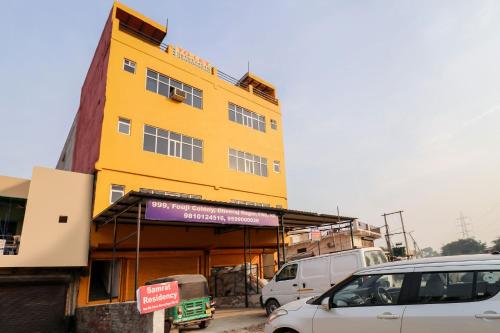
<point x="186" y="212"/>
<point x="315" y="235"/>
<point x="157" y="297"/>
<point x="191" y="58"/>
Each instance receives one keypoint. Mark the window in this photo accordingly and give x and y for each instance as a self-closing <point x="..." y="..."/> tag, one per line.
<point x="248" y="163"/>
<point x="124" y="126"/>
<point x="129" y="66"/>
<point x="173" y="144"/>
<point x="117" y="191"/>
<point x="487" y="284"/>
<point x="276" y="166"/>
<point x="246" y="117"/>
<point x="63" y="219"/>
<point x="302" y="250"/>
<point x="274" y="124"/>
<point x="100" y="282"/>
<point x="250" y="203"/>
<point x="374" y="258"/>
<point x="445" y="287"/>
<point x="288" y="272"/>
<point x="370" y="290"/>
<point x="175" y="194"/>
<point x="162" y="84"/>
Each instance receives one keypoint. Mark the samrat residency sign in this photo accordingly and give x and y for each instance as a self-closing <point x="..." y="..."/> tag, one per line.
<point x="161" y="210"/>
<point x="157" y="297"/>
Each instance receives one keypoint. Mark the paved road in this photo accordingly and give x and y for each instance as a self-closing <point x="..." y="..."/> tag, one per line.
<point x="235" y="321"/>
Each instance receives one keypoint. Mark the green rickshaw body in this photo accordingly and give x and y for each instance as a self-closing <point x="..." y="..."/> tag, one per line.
<point x="196" y="309"/>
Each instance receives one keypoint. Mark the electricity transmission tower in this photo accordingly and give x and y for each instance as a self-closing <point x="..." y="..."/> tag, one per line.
<point x="464" y="226"/>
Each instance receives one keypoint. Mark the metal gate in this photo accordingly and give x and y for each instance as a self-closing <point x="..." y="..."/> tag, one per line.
<point x="33" y="307"/>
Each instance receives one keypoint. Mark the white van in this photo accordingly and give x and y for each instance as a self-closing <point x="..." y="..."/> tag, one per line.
<point x="313" y="276"/>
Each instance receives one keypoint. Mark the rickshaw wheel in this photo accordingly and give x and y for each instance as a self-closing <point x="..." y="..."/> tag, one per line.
<point x="203" y="324"/>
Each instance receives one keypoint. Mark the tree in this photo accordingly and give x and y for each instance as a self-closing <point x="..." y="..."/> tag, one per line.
<point x="496" y="244"/>
<point x="463" y="246"/>
<point x="427" y="252"/>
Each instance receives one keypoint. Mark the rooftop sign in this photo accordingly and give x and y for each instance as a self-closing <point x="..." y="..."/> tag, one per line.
<point x="191" y="58"/>
<point x="161" y="210"/>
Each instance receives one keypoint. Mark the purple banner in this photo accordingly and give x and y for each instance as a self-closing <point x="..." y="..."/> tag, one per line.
<point x="161" y="210"/>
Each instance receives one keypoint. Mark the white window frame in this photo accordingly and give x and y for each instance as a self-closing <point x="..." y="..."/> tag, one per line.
<point x="248" y="118"/>
<point x="252" y="164"/>
<point x="125" y="121"/>
<point x="129" y="63"/>
<point x="112" y="190"/>
<point x="175" y="146"/>
<point x="191" y="92"/>
<point x="274" y="124"/>
<point x="278" y="165"/>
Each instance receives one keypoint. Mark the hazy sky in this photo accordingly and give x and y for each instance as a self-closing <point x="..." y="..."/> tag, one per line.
<point x="387" y="105"/>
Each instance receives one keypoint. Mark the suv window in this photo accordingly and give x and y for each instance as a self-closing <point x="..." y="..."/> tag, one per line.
<point x="288" y="272"/>
<point x="445" y="287"/>
<point x="370" y="290"/>
<point x="487" y="284"/>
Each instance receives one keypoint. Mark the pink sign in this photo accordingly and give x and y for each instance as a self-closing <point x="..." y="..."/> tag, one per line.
<point x="157" y="297"/>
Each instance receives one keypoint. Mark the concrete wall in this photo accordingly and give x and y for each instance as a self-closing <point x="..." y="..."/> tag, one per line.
<point x="115" y="317"/>
<point x="44" y="241"/>
<point x="14" y="187"/>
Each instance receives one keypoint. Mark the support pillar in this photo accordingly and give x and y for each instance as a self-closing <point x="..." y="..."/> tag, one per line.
<point x="137" y="246"/>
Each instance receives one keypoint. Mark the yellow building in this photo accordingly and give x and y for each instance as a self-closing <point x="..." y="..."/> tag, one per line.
<point x="134" y="133"/>
<point x="155" y="118"/>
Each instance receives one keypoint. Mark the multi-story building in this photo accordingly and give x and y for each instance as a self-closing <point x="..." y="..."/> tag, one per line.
<point x="303" y="243"/>
<point x="155" y="118"/>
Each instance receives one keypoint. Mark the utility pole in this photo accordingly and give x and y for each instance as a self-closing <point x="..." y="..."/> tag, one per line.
<point x="404" y="232"/>
<point x="387" y="235"/>
<point x="415" y="245"/>
<point x="463" y="225"/>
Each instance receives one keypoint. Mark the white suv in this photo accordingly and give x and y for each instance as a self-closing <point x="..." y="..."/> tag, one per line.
<point x="457" y="294"/>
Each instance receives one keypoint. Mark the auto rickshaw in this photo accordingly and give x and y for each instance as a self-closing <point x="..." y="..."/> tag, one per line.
<point x="195" y="307"/>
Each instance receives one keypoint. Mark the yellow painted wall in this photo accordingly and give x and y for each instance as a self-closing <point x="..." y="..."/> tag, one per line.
<point x="123" y="161"/>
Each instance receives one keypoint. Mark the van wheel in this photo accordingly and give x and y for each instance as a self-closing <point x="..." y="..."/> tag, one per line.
<point x="271" y="305"/>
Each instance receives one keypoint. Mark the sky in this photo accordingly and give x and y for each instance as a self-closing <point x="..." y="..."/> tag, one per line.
<point x="387" y="105"/>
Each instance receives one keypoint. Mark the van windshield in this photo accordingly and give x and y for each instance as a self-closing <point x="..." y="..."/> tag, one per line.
<point x="374" y="258"/>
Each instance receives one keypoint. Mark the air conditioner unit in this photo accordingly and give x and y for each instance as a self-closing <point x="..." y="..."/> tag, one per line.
<point x="177" y="95"/>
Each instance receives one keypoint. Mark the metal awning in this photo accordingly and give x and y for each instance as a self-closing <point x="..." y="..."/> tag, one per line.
<point x="125" y="210"/>
<point x="129" y="210"/>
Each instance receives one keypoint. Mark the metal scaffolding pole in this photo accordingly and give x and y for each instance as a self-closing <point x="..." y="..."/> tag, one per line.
<point x="138" y="242"/>
<point x="112" y="274"/>
<point x="245" y="264"/>
<point x="278" y="246"/>
<point x="352" y="235"/>
<point x="283" y="238"/>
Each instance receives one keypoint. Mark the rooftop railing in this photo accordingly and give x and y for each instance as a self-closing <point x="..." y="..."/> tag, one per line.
<point x="228" y="78"/>
<point x="223" y="76"/>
